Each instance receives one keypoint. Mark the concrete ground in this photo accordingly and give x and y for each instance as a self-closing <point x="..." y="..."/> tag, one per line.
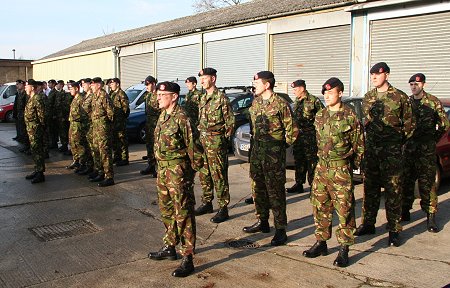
<point x="101" y="236"/>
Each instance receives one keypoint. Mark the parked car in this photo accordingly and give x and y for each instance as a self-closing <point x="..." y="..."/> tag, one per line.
<point x="8" y="92"/>
<point x="6" y="112"/>
<point x="443" y="150"/>
<point x="135" y="95"/>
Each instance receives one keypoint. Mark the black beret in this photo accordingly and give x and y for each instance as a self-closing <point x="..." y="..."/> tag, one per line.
<point x="31" y="82"/>
<point x="70" y="81"/>
<point x="207" y="71"/>
<point x="39" y="83"/>
<point x="87" y="80"/>
<point x="115" y="80"/>
<point x="61" y="82"/>
<point x="97" y="80"/>
<point x="331" y="83"/>
<point x="168" y="86"/>
<point x="263" y="75"/>
<point x="52" y="81"/>
<point x="298" y="83"/>
<point x="74" y="84"/>
<point x="419" y="77"/>
<point x="150" y="79"/>
<point x="20" y="81"/>
<point x="191" y="79"/>
<point x="380" y="68"/>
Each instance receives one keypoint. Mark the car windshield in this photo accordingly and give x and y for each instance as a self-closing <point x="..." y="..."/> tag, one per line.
<point x="3" y="88"/>
<point x="132" y="94"/>
<point x="447" y="111"/>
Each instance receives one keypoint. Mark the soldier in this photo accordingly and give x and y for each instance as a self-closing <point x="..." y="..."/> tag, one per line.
<point x="121" y="111"/>
<point x="18" y="112"/>
<point x="77" y="144"/>
<point x="420" y="151"/>
<point x="305" y="147"/>
<point x="62" y="109"/>
<point x="388" y="122"/>
<point x="52" y="123"/>
<point x="152" y="111"/>
<point x="178" y="152"/>
<point x="273" y="127"/>
<point x="86" y="119"/>
<point x="192" y="99"/>
<point x="45" y="88"/>
<point x="216" y="125"/>
<point x="102" y="117"/>
<point x="340" y="142"/>
<point x="40" y="90"/>
<point x="35" y="121"/>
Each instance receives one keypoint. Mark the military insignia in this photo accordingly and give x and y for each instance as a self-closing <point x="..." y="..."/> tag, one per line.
<point x="328" y="87"/>
<point x="381" y="70"/>
<point x="417" y="78"/>
<point x="292" y="84"/>
<point x="256" y="77"/>
<point x="162" y="87"/>
<point x="201" y="72"/>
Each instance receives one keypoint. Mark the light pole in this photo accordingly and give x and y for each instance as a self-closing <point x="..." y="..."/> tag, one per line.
<point x="14" y="54"/>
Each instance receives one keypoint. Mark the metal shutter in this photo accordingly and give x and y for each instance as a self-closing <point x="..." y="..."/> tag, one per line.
<point x="134" y="69"/>
<point x="414" y="44"/>
<point x="236" y="59"/>
<point x="314" y="56"/>
<point x="178" y="62"/>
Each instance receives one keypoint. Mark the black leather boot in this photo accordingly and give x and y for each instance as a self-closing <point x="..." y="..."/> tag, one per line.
<point x="296" y="188"/>
<point x="259" y="226"/>
<point x="364" y="229"/>
<point x="30" y="176"/>
<point x="166" y="252"/>
<point x="280" y="238"/>
<point x="204" y="209"/>
<point x="221" y="216"/>
<point x="249" y="200"/>
<point x="431" y="223"/>
<point x="79" y="168"/>
<point x="406" y="216"/>
<point x="122" y="163"/>
<point x="394" y="239"/>
<point x="93" y="175"/>
<point x="186" y="267"/>
<point x="342" y="258"/>
<point x="150" y="170"/>
<point x="87" y="170"/>
<point x="38" y="178"/>
<point x="73" y="165"/>
<point x="100" y="177"/>
<point x="106" y="182"/>
<point x="319" y="248"/>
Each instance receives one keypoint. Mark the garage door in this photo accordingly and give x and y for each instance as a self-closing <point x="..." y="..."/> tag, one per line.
<point x="134" y="69"/>
<point x="236" y="59"/>
<point x="312" y="55"/>
<point x="414" y="44"/>
<point x="178" y="62"/>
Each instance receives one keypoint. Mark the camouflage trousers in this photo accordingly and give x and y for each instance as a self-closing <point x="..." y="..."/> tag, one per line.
<point x="214" y="173"/>
<point x="102" y="146"/>
<point x="268" y="174"/>
<point x="383" y="168"/>
<point x="150" y="141"/>
<point x="305" y="156"/>
<point x="36" y="136"/>
<point x="120" y="139"/>
<point x="332" y="189"/>
<point x="176" y="203"/>
<point x="76" y="140"/>
<point x="94" y="159"/>
<point x="421" y="166"/>
<point x="63" y="132"/>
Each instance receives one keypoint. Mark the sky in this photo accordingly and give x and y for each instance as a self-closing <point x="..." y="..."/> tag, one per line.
<point x="56" y="25"/>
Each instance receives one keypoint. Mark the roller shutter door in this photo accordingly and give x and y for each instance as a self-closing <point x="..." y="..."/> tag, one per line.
<point x="237" y="59"/>
<point x="134" y="69"/>
<point x="414" y="44"/>
<point x="314" y="56"/>
<point x="178" y="62"/>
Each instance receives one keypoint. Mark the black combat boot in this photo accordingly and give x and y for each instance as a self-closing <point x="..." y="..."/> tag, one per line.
<point x="297" y="188"/>
<point x="63" y="149"/>
<point x="259" y="226"/>
<point x="364" y="229"/>
<point x="122" y="162"/>
<point x="342" y="258"/>
<point x="406" y="215"/>
<point x="204" y="209"/>
<point x="150" y="169"/>
<point x="68" y="152"/>
<point x="73" y="165"/>
<point x="280" y="237"/>
<point x="100" y="177"/>
<point x="394" y="239"/>
<point x="30" y="176"/>
<point x="166" y="252"/>
<point x="106" y="182"/>
<point x="431" y="223"/>
<point x="145" y="157"/>
<point x="249" y="200"/>
<point x="38" y="178"/>
<point x="319" y="248"/>
<point x="86" y="171"/>
<point x="92" y="175"/>
<point x="80" y="168"/>
<point x="221" y="216"/>
<point x="186" y="267"/>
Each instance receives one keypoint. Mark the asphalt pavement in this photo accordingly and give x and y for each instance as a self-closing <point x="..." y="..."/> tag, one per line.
<point x="67" y="232"/>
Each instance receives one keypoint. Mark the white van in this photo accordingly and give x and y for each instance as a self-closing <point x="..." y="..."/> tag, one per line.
<point x="8" y="92"/>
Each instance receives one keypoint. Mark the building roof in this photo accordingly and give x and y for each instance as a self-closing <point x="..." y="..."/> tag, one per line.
<point x="255" y="10"/>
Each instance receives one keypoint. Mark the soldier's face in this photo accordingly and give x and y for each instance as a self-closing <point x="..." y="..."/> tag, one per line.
<point x="19" y="86"/>
<point x="190" y="85"/>
<point x="51" y="85"/>
<point x="73" y="90"/>
<point x="114" y="86"/>
<point x="207" y="81"/>
<point x="298" y="91"/>
<point x="96" y="87"/>
<point x="260" y="86"/>
<point x="28" y="89"/>
<point x="378" y="79"/>
<point x="166" y="99"/>
<point x="86" y="86"/>
<point x="59" y="86"/>
<point x="150" y="87"/>
<point x="332" y="97"/>
<point x="416" y="87"/>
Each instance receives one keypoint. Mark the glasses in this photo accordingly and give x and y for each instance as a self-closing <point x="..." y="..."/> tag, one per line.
<point x="164" y="94"/>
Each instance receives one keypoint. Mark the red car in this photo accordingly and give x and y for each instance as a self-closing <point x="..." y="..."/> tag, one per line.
<point x="443" y="150"/>
<point x="6" y="112"/>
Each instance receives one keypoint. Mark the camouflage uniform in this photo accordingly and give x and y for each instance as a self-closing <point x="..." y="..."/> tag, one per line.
<point x="177" y="152"/>
<point x="88" y="133"/>
<point x="340" y="142"/>
<point x="35" y="121"/>
<point x="62" y="107"/>
<point x="420" y="152"/>
<point x="76" y="130"/>
<point x="102" y="117"/>
<point x="305" y="147"/>
<point x="121" y="112"/>
<point x="51" y="118"/>
<point x="18" y="111"/>
<point x="216" y="125"/>
<point x="388" y="122"/>
<point x="152" y="111"/>
<point x="273" y="127"/>
<point x="191" y="105"/>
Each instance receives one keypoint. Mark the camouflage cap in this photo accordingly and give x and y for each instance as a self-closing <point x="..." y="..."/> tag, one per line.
<point x="263" y="75"/>
<point x="150" y="79"/>
<point x="298" y="83"/>
<point x="419" y="77"/>
<point x="168" y="87"/>
<point x="380" y="68"/>
<point x="207" y="71"/>
<point x="191" y="79"/>
<point x="331" y="83"/>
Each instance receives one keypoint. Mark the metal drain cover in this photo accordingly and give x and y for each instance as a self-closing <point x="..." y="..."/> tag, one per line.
<point x="64" y="229"/>
<point x="242" y="244"/>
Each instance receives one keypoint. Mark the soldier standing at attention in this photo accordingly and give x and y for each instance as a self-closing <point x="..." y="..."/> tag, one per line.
<point x="273" y="127"/>
<point x="305" y="147"/>
<point x="121" y="111"/>
<point x="388" y="123"/>
<point x="152" y="111"/>
<point x="51" y="117"/>
<point x="420" y="151"/>
<point x="178" y="152"/>
<point x="18" y="112"/>
<point x="35" y="121"/>
<point x="192" y="100"/>
<point x="216" y="125"/>
<point x="62" y="107"/>
<point x="77" y="145"/>
<point x="88" y="168"/>
<point x="102" y="117"/>
<point x="340" y="141"/>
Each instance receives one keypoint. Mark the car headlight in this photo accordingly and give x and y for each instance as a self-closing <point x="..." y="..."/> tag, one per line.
<point x="1" y="109"/>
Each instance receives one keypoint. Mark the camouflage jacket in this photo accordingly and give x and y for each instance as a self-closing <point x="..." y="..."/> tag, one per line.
<point x="388" y="117"/>
<point x="174" y="138"/>
<point x="35" y="109"/>
<point x="120" y="103"/>
<point x="62" y="105"/>
<point x="76" y="109"/>
<point x="151" y="107"/>
<point x="216" y="114"/>
<point x="51" y="101"/>
<point x="102" y="107"/>
<point x="305" y="111"/>
<point x="191" y="105"/>
<point x="272" y="121"/>
<point x="19" y="104"/>
<point x="87" y="107"/>
<point x="339" y="135"/>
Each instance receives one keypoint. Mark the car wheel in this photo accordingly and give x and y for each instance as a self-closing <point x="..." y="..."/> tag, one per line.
<point x="142" y="133"/>
<point x="437" y="179"/>
<point x="9" y="116"/>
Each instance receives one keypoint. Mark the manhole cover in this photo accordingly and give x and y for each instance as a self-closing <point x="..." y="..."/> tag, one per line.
<point x="64" y="229"/>
<point x="242" y="243"/>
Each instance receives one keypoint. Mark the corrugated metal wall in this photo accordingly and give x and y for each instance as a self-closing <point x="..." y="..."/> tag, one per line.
<point x="178" y="62"/>
<point x="134" y="69"/>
